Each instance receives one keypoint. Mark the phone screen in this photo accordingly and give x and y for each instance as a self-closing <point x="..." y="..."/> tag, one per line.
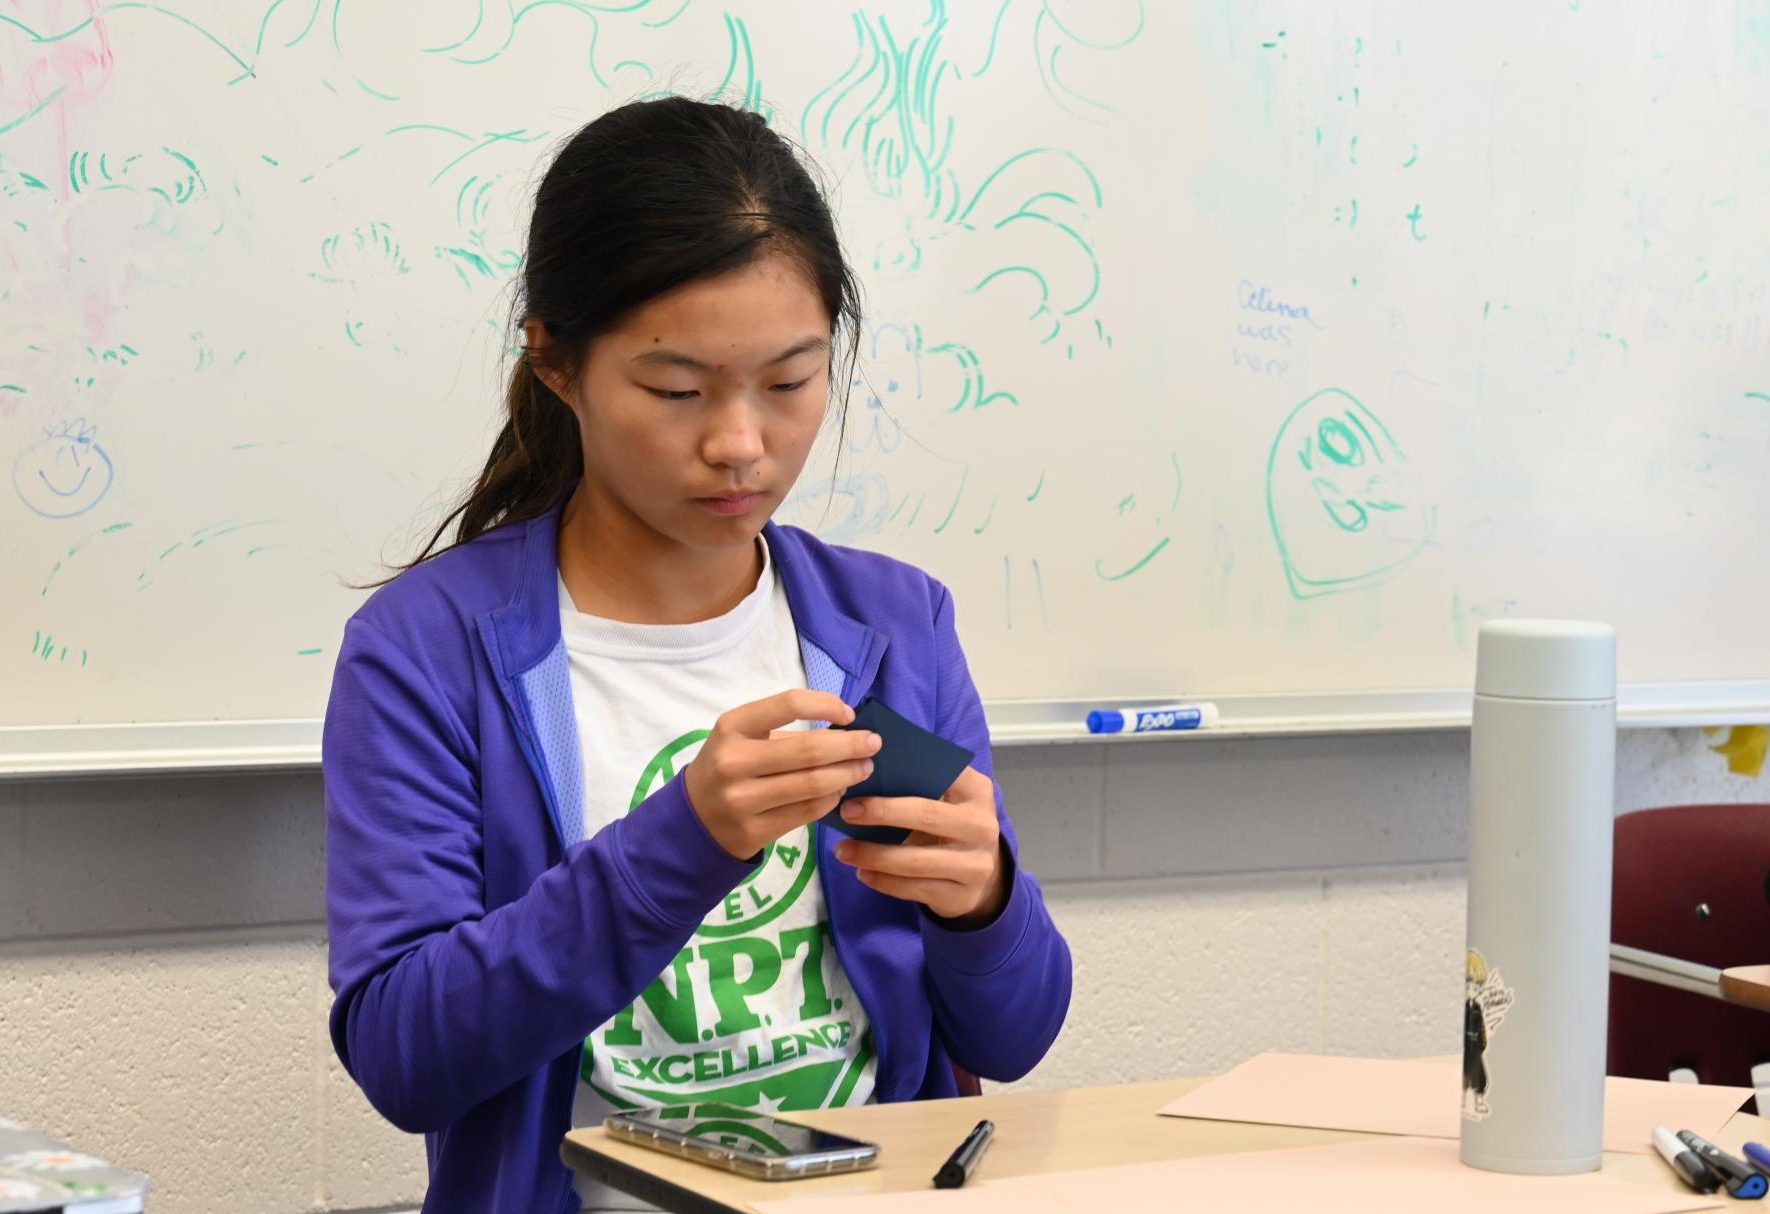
<point x="742" y="1130"/>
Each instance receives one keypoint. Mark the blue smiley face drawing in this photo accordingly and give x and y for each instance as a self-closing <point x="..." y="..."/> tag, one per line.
<point x="64" y="473"/>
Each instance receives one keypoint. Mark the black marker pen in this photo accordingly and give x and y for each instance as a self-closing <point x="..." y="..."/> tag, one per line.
<point x="1739" y="1177"/>
<point x="963" y="1161"/>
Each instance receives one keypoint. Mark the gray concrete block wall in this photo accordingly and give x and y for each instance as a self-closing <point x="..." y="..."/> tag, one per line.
<point x="162" y="952"/>
<point x="163" y="993"/>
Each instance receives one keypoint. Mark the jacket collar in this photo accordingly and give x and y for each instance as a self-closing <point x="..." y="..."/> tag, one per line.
<point x="524" y="644"/>
<point x="527" y="626"/>
<point x="856" y="648"/>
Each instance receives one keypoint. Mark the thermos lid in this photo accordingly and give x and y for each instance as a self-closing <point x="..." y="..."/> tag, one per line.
<point x="1546" y="660"/>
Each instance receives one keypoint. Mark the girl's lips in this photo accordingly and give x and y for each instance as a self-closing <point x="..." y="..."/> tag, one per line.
<point x="730" y="505"/>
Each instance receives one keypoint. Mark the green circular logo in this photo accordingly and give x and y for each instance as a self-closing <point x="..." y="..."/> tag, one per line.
<point x="772" y="886"/>
<point x="662" y="769"/>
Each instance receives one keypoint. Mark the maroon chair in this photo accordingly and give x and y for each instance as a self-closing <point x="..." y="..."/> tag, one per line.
<point x="969" y="1084"/>
<point x="1691" y="882"/>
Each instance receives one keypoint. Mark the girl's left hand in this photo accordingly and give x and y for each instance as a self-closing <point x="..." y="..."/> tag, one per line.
<point x="952" y="861"/>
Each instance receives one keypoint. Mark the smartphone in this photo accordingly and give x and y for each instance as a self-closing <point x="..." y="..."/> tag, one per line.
<point x="742" y="1140"/>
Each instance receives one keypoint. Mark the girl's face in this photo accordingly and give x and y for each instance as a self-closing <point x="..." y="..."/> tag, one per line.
<point x="698" y="412"/>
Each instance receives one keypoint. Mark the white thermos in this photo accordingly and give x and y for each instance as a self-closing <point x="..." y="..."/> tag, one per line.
<point x="1536" y="981"/>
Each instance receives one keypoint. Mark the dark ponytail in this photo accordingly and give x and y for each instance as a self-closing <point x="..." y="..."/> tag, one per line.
<point x="535" y="456"/>
<point x="646" y="198"/>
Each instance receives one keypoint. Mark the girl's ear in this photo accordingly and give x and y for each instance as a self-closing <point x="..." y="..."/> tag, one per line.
<point x="536" y="343"/>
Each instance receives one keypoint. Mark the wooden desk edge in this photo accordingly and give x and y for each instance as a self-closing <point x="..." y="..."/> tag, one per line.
<point x="1748" y="985"/>
<point x="635" y="1181"/>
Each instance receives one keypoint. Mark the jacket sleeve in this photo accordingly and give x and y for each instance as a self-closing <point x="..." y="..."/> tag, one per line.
<point x="441" y="1003"/>
<point x="1000" y="992"/>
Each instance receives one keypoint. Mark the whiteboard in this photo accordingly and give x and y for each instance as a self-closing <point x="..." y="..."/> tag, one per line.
<point x="1249" y="351"/>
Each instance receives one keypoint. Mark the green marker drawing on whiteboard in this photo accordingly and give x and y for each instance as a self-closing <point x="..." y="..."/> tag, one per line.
<point x="1027" y="218"/>
<point x="1142" y="518"/>
<point x="740" y="71"/>
<point x="1121" y="575"/>
<point x="1340" y="499"/>
<point x="1119" y="25"/>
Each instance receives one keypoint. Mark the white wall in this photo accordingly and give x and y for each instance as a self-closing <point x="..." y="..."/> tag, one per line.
<point x="162" y="952"/>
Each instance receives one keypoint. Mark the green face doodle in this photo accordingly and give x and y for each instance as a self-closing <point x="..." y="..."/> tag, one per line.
<point x="1345" y="512"/>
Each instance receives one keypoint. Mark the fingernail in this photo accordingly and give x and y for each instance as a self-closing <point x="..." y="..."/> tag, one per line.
<point x="874" y="742"/>
<point x="866" y="767"/>
<point x="844" y="851"/>
<point x="852" y="812"/>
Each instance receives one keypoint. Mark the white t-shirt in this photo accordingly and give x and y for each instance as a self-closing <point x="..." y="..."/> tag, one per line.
<point x="756" y="1009"/>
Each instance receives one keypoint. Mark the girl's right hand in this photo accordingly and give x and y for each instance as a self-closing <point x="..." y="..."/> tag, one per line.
<point x="750" y="784"/>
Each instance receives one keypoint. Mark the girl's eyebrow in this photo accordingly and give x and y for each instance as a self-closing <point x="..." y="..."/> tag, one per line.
<point x="675" y="358"/>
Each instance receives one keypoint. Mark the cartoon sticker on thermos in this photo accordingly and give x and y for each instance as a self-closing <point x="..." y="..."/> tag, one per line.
<point x="1486" y="999"/>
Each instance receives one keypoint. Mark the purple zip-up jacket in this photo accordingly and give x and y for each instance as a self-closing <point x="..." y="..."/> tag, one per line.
<point x="473" y="950"/>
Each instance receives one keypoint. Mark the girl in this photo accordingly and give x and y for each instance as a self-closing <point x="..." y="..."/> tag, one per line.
<point x="573" y="860"/>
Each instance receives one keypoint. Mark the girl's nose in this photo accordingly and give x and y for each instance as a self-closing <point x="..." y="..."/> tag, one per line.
<point x="734" y="436"/>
